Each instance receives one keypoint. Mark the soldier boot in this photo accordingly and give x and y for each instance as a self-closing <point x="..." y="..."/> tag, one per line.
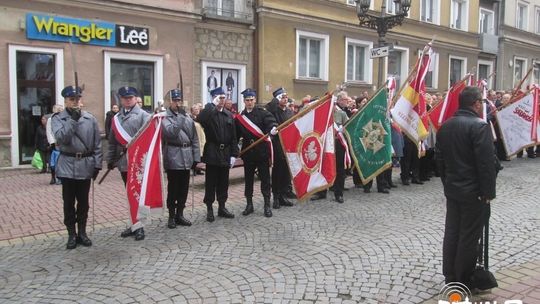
<point x="209" y="213"/>
<point x="276" y="202"/>
<point x="223" y="212"/>
<point x="180" y="219"/>
<point x="171" y="223"/>
<point x="82" y="238"/>
<point x="267" y="208"/>
<point x="249" y="206"/>
<point x="72" y="238"/>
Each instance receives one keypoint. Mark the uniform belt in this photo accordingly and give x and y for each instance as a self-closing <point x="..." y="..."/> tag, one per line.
<point x="182" y="145"/>
<point x="221" y="146"/>
<point x="78" y="155"/>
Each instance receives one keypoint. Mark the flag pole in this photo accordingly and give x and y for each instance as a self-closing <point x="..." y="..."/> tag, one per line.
<point x="289" y="121"/>
<point x="374" y="94"/>
<point x="518" y="87"/>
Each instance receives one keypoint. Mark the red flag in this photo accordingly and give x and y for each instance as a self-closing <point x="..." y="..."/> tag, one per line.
<point x="434" y="114"/>
<point x="534" y="133"/>
<point x="308" y="144"/>
<point x="144" y="183"/>
<point x="451" y="101"/>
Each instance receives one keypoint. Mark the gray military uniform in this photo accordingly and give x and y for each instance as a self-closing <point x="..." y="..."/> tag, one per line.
<point x="80" y="137"/>
<point x="131" y="122"/>
<point x="180" y="142"/>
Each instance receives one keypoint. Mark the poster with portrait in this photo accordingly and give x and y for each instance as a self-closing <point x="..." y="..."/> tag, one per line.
<point x="225" y="78"/>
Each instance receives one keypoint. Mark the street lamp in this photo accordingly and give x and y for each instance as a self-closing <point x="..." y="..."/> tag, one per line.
<point x="381" y="23"/>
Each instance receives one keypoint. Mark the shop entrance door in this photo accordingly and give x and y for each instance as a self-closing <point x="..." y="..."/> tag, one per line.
<point x="36" y="96"/>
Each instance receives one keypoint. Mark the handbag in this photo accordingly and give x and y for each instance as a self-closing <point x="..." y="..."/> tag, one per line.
<point x="481" y="277"/>
<point x="54" y="157"/>
<point x="37" y="162"/>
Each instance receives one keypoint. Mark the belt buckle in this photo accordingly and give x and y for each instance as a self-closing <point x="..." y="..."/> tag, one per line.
<point x="78" y="155"/>
<point x="221" y="146"/>
<point x="185" y="145"/>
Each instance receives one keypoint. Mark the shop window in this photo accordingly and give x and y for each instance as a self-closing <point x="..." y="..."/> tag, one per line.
<point x="137" y="74"/>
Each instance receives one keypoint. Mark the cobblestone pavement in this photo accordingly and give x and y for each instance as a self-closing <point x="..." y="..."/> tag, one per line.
<point x="374" y="248"/>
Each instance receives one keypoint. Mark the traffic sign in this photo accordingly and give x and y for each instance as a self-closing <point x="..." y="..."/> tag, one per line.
<point x="379" y="52"/>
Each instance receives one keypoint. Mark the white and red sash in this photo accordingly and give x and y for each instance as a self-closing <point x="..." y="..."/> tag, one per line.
<point x="257" y="132"/>
<point x="341" y="138"/>
<point x="121" y="135"/>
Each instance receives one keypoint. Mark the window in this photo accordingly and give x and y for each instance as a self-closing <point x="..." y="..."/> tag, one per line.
<point x="458" y="14"/>
<point x="358" y="64"/>
<point x="538" y="20"/>
<point x="429" y="11"/>
<point x="536" y="72"/>
<point x="312" y="55"/>
<point x="232" y="77"/>
<point x="432" y="75"/>
<point x="143" y="72"/>
<point x="398" y="64"/>
<point x="221" y="7"/>
<point x="485" y="69"/>
<point x="521" y="18"/>
<point x="457" y="69"/>
<point x="392" y="7"/>
<point x="486" y="22"/>
<point x="520" y="68"/>
<point x="351" y="2"/>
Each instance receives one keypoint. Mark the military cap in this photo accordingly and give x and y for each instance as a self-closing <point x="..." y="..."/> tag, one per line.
<point x="217" y="91"/>
<point x="176" y="94"/>
<point x="248" y="93"/>
<point x="71" y="91"/>
<point x="127" y="91"/>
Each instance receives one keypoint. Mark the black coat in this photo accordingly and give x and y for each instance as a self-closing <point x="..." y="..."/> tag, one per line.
<point x="220" y="131"/>
<point x="466" y="157"/>
<point x="281" y="116"/>
<point x="265" y="121"/>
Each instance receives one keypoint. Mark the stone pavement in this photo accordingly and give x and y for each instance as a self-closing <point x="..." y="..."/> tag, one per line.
<point x="374" y="248"/>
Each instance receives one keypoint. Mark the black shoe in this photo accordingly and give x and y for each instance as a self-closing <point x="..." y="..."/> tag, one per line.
<point x="276" y="204"/>
<point x="181" y="220"/>
<point x="209" y="214"/>
<point x="346" y="189"/>
<point x="171" y="223"/>
<point x="139" y="234"/>
<point x="318" y="196"/>
<point x="358" y="186"/>
<point x="290" y="195"/>
<point x="72" y="242"/>
<point x="339" y="199"/>
<point x="415" y="181"/>
<point x="367" y="190"/>
<point x="249" y="209"/>
<point x="127" y="233"/>
<point x="223" y="212"/>
<point x="531" y="156"/>
<point x="53" y="181"/>
<point x="425" y="179"/>
<point x="392" y="185"/>
<point x="267" y="210"/>
<point x="84" y="240"/>
<point x="285" y="202"/>
<point x="383" y="191"/>
<point x="405" y="182"/>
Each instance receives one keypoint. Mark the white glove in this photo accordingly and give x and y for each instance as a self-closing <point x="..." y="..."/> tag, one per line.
<point x="274" y="131"/>
<point x="340" y="129"/>
<point x="215" y="101"/>
<point x="233" y="160"/>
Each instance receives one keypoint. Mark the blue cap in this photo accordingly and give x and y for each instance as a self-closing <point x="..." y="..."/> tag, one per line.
<point x="71" y="91"/>
<point x="217" y="91"/>
<point x="175" y="94"/>
<point x="278" y="92"/>
<point x="127" y="91"/>
<point x="249" y="93"/>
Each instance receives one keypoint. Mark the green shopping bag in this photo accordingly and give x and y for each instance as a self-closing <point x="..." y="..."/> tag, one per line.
<point x="37" y="162"/>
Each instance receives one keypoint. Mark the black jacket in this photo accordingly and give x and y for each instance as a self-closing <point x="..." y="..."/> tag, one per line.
<point x="281" y="116"/>
<point x="466" y="157"/>
<point x="220" y="131"/>
<point x="265" y="121"/>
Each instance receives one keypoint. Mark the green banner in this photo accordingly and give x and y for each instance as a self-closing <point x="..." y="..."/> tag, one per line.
<point x="368" y="133"/>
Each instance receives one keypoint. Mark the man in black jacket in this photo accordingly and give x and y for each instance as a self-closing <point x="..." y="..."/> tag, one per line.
<point x="251" y="125"/>
<point x="466" y="159"/>
<point x="220" y="152"/>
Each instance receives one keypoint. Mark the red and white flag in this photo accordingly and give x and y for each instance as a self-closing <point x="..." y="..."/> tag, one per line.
<point x="121" y="135"/>
<point x="392" y="87"/>
<point x="451" y="102"/>
<point x="145" y="184"/>
<point x="257" y="132"/>
<point x="308" y="144"/>
<point x="534" y="128"/>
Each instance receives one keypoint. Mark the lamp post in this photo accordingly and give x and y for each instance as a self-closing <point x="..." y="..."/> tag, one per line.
<point x="381" y="23"/>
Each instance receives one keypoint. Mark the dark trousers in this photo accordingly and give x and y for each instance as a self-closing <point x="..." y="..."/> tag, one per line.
<point x="463" y="228"/>
<point x="339" y="183"/>
<point x="387" y="175"/>
<point x="381" y="182"/>
<point x="216" y="185"/>
<point x="75" y="189"/>
<point x="281" y="178"/>
<point x="427" y="164"/>
<point x="124" y="177"/>
<point x="264" y="174"/>
<point x="409" y="162"/>
<point x="177" y="189"/>
<point x="356" y="177"/>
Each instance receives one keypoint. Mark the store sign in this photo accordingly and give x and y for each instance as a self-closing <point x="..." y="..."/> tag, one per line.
<point x="64" y="29"/>
<point x="54" y="28"/>
<point x="132" y="37"/>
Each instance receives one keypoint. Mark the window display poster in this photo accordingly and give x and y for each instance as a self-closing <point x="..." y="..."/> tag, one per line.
<point x="225" y="78"/>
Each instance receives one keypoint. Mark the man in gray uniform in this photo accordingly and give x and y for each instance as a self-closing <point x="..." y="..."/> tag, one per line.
<point x="180" y="153"/>
<point x="78" y="139"/>
<point x="126" y="123"/>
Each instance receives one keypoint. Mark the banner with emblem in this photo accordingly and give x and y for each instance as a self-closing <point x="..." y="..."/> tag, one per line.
<point x="308" y="143"/>
<point x="145" y="183"/>
<point x="368" y="133"/>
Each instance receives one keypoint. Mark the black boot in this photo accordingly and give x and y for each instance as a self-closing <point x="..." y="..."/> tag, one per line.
<point x="267" y="209"/>
<point x="276" y="202"/>
<point x="171" y="223"/>
<point x="83" y="238"/>
<point x="249" y="206"/>
<point x="127" y="232"/>
<point x="180" y="219"/>
<point x="209" y="213"/>
<point x="318" y="196"/>
<point x="139" y="234"/>
<point x="223" y="212"/>
<point x="285" y="202"/>
<point x="53" y="178"/>
<point x="72" y="238"/>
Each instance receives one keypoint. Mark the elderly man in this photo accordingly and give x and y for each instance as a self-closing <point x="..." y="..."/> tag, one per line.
<point x="78" y="139"/>
<point x="465" y="156"/>
<point x="220" y="152"/>
<point x="125" y="125"/>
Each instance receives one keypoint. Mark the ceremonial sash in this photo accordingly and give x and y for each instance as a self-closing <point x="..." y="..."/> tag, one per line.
<point x="341" y="138"/>
<point x="121" y="135"/>
<point x="257" y="132"/>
